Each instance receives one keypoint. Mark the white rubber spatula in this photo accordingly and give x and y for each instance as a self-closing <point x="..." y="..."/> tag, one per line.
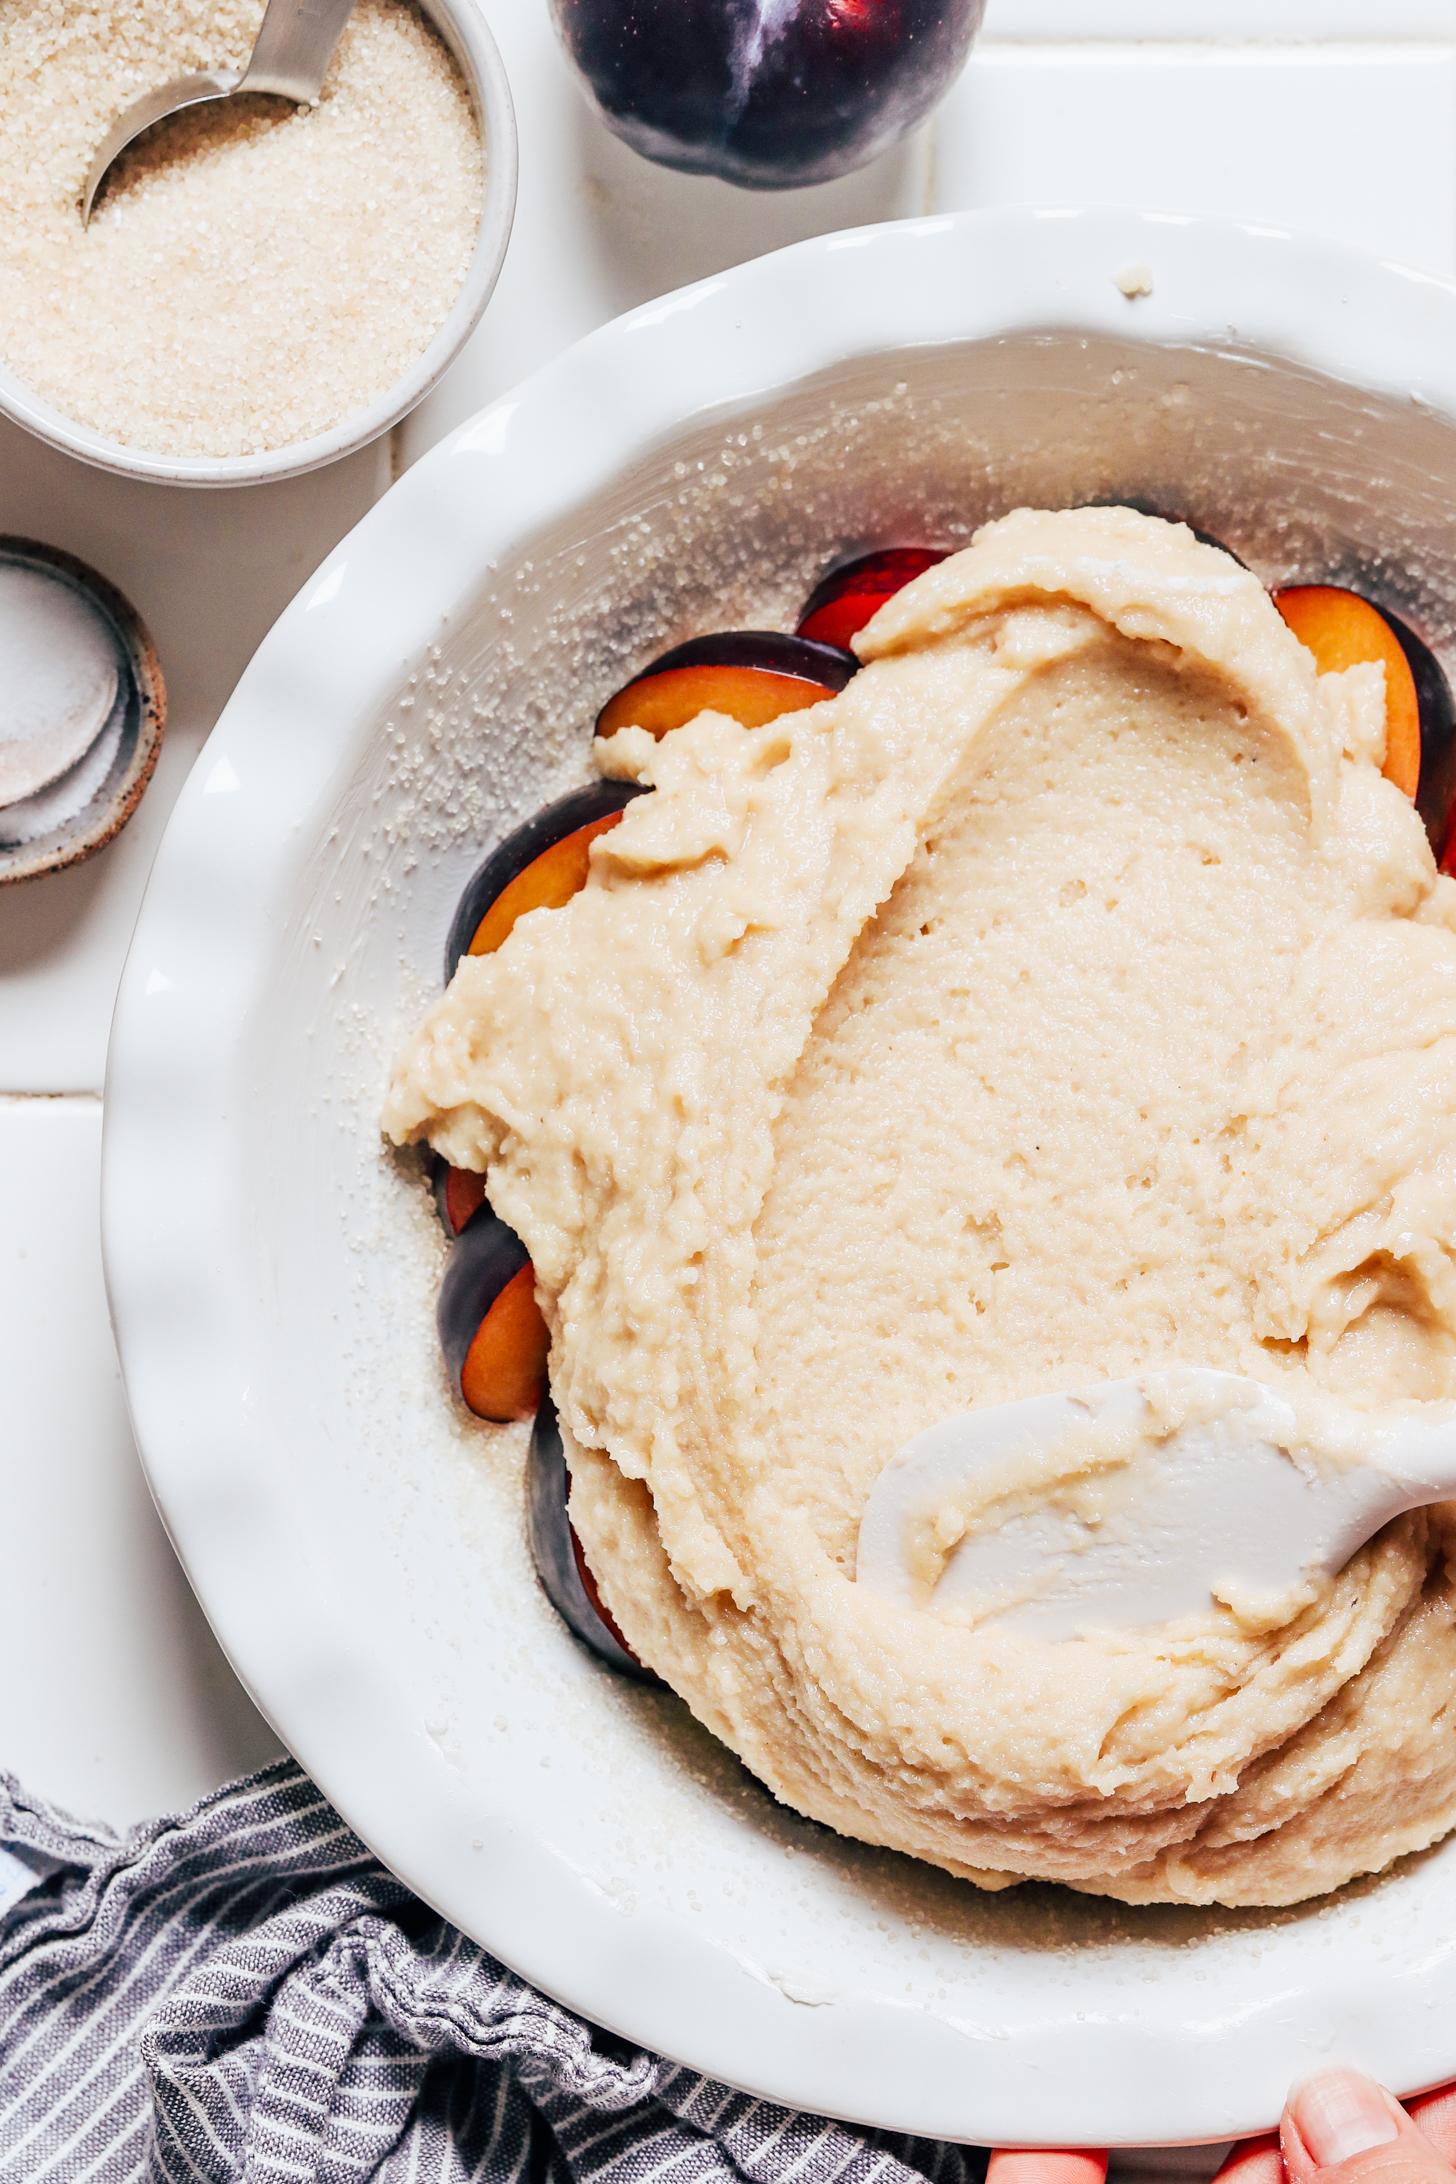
<point x="1243" y="1500"/>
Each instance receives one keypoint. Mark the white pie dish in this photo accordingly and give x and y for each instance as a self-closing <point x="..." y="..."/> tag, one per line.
<point x="359" y="1548"/>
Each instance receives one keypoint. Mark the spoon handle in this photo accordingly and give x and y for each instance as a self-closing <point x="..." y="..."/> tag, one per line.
<point x="295" y="45"/>
<point x="1420" y="1455"/>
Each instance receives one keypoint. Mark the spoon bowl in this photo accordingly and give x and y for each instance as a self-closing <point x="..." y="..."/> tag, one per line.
<point x="200" y="89"/>
<point x="294" y="46"/>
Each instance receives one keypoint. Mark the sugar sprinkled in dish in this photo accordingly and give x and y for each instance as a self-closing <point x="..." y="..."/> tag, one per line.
<point x="254" y="273"/>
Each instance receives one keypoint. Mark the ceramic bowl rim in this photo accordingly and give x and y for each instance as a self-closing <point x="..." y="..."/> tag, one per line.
<point x="110" y="810"/>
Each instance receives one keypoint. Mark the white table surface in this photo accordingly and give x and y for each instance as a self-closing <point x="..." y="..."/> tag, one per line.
<point x="113" y="1697"/>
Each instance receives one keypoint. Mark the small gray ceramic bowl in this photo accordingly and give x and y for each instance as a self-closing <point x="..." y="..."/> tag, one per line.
<point x="52" y="829"/>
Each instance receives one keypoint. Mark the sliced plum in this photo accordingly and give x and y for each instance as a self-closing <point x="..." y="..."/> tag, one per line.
<point x="459" y="1195"/>
<point x="561" y="1566"/>
<point x="1174" y="515"/>
<point x="492" y="1331"/>
<point x="1436" y="787"/>
<point x="1344" y="630"/>
<point x="847" y="597"/>
<point x="540" y="866"/>
<point x="752" y="675"/>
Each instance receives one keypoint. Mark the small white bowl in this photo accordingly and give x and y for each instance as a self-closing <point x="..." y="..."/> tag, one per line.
<point x="464" y="31"/>
<point x="138" y="723"/>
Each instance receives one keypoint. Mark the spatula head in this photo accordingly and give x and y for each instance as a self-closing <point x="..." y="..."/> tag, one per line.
<point x="1134" y="1503"/>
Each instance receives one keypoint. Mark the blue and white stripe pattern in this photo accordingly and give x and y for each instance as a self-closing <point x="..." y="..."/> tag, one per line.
<point x="242" y="1993"/>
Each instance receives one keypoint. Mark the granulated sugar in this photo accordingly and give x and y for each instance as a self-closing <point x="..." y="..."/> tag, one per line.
<point x="254" y="273"/>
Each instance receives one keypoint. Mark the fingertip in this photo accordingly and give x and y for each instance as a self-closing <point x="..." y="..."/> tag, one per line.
<point x="1253" y="2161"/>
<point x="1054" y="2165"/>
<point x="1333" y="2117"/>
<point x="1341" y="2123"/>
<point x="1434" y="2114"/>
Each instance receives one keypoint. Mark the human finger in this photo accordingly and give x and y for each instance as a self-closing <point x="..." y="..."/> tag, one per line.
<point x="1253" y="2161"/>
<point x="1342" y="2128"/>
<point x="1053" y="2165"/>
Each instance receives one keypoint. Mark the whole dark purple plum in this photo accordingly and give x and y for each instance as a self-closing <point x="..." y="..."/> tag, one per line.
<point x="766" y="93"/>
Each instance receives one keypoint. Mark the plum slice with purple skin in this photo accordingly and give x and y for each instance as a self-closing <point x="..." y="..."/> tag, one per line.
<point x="459" y="1195"/>
<point x="851" y="594"/>
<point x="1209" y="538"/>
<point x="1176" y="515"/>
<point x="539" y="866"/>
<point x="752" y="675"/>
<point x="556" y="1551"/>
<point x="492" y="1331"/>
<point x="1436" y="780"/>
<point x="1343" y="627"/>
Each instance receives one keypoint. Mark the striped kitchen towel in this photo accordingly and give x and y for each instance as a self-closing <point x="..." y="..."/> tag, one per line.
<point x="243" y="1993"/>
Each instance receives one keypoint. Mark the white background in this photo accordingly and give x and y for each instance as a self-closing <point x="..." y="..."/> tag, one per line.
<point x="113" y="1698"/>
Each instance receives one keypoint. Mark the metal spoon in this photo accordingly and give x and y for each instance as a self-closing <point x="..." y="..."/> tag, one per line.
<point x="1245" y="1498"/>
<point x="294" y="46"/>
